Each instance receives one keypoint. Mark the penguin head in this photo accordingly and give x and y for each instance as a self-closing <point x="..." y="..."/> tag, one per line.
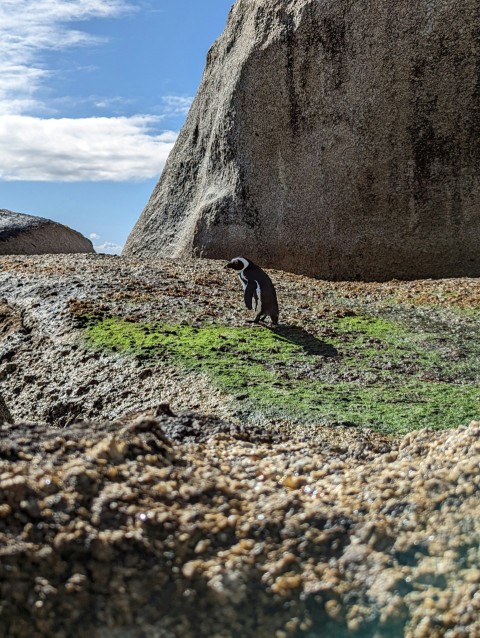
<point x="238" y="263"/>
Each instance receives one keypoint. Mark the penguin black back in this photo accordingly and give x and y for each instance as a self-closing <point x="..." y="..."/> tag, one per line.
<point x="259" y="291"/>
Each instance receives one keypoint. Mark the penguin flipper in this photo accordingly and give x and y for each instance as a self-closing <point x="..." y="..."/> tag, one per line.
<point x="250" y="294"/>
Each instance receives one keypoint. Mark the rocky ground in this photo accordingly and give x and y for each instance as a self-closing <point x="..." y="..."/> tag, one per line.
<point x="118" y="518"/>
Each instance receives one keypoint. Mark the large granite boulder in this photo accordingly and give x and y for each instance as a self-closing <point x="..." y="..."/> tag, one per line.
<point x="337" y="139"/>
<point x="29" y="235"/>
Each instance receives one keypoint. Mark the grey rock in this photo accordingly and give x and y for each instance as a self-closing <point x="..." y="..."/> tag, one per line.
<point x="334" y="139"/>
<point x="30" y="235"/>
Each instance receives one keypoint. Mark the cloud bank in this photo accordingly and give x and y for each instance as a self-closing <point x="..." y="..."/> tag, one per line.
<point x="108" y="248"/>
<point x="67" y="149"/>
<point x="88" y="149"/>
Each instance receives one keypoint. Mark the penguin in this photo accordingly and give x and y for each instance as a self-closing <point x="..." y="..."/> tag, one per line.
<point x="259" y="291"/>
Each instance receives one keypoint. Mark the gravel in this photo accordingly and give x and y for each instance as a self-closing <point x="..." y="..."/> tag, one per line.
<point x="116" y="529"/>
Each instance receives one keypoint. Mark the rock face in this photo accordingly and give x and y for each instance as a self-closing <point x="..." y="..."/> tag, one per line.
<point x="96" y="337"/>
<point x="29" y="235"/>
<point x="335" y="139"/>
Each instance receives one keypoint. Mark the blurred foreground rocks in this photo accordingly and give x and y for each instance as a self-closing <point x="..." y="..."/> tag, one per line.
<point x="151" y="527"/>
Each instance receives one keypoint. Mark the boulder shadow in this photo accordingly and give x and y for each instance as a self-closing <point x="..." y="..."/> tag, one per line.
<point x="300" y="337"/>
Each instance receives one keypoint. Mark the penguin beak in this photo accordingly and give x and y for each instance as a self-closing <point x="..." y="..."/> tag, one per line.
<point x="229" y="265"/>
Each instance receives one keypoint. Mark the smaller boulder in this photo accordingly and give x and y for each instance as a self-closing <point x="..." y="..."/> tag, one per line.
<point x="29" y="235"/>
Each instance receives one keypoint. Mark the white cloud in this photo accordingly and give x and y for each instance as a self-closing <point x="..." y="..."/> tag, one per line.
<point x="28" y="28"/>
<point x="66" y="149"/>
<point x="84" y="149"/>
<point x="176" y="104"/>
<point x="109" y="248"/>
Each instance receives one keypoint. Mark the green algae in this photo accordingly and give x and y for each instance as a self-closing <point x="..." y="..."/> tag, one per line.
<point x="430" y="348"/>
<point x="373" y="372"/>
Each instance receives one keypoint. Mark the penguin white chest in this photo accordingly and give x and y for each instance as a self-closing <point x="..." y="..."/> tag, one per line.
<point x="243" y="280"/>
<point x="259" y="296"/>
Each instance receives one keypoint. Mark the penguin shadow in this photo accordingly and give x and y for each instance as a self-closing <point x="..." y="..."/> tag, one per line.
<point x="300" y="337"/>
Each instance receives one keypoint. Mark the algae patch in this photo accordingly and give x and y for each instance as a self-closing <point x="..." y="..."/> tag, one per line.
<point x="359" y="377"/>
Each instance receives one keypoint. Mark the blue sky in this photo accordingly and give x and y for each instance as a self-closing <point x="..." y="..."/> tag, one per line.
<point x="92" y="96"/>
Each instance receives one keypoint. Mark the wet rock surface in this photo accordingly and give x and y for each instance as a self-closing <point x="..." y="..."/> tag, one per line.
<point x="125" y="511"/>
